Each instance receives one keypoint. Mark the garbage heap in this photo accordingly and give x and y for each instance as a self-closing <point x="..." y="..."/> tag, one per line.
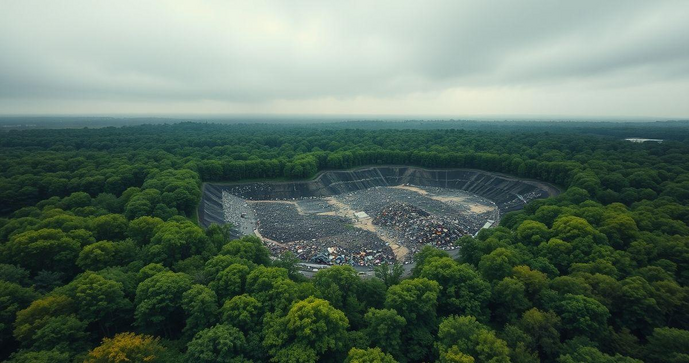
<point x="356" y="248"/>
<point x="417" y="227"/>
<point x="341" y="256"/>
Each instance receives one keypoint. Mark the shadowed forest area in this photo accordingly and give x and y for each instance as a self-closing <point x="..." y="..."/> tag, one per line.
<point x="102" y="258"/>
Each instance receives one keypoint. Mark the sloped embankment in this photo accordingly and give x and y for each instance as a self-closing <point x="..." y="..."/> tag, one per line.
<point x="508" y="193"/>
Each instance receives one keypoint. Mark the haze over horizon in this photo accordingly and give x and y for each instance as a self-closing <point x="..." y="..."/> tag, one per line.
<point x="535" y="58"/>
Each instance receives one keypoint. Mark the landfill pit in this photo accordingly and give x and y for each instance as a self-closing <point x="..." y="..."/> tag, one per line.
<point x="397" y="222"/>
<point x="363" y="222"/>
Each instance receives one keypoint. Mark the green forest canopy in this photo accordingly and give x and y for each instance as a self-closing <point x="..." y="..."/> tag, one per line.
<point x="101" y="259"/>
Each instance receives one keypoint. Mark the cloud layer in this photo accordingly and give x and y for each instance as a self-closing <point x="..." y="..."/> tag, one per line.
<point x="455" y="58"/>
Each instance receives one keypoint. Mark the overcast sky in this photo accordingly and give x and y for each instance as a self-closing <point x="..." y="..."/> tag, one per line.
<point x="454" y="58"/>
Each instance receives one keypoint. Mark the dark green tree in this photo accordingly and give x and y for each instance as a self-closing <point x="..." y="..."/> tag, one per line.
<point x="158" y="302"/>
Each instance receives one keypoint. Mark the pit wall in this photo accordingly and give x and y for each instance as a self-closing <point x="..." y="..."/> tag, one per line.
<point x="508" y="193"/>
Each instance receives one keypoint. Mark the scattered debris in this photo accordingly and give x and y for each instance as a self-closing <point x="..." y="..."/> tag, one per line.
<point x="352" y="228"/>
<point x="418" y="228"/>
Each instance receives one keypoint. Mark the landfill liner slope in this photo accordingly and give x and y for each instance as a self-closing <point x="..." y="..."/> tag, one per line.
<point x="507" y="192"/>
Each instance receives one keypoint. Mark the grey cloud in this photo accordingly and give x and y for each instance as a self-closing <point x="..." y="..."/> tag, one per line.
<point x="255" y="52"/>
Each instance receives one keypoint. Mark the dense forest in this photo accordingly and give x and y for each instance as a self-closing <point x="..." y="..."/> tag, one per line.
<point x="102" y="260"/>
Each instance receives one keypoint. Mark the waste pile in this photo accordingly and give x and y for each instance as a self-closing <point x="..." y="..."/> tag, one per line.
<point x="354" y="247"/>
<point x="398" y="214"/>
<point x="282" y="222"/>
<point x="239" y="213"/>
<point x="325" y="231"/>
<point x="314" y="206"/>
<point x="373" y="200"/>
<point x="417" y="228"/>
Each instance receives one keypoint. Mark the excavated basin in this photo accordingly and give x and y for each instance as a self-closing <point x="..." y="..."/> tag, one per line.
<point x="507" y="192"/>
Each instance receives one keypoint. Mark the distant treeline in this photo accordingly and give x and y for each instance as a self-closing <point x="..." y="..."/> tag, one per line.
<point x="38" y="164"/>
<point x="618" y="128"/>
